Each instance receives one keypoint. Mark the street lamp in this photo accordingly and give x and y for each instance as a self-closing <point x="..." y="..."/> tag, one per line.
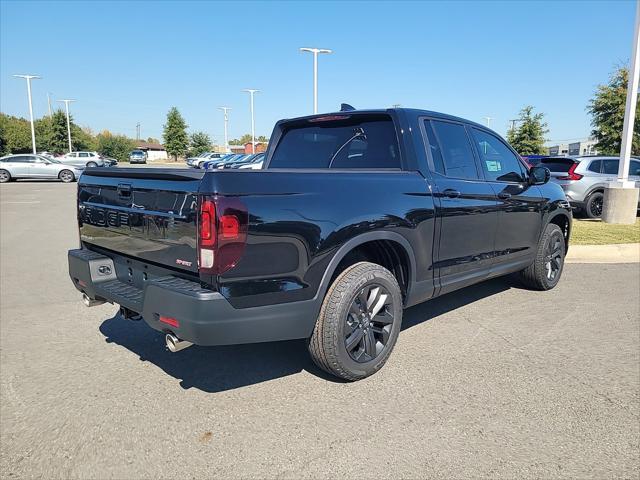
<point x="315" y="52"/>
<point x="28" y="78"/>
<point x="251" y="92"/>
<point x="488" y="119"/>
<point x="66" y="106"/>
<point x="226" y="122"/>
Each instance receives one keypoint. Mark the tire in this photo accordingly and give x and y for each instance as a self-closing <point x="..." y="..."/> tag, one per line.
<point x="66" y="176"/>
<point x="5" y="176"/>
<point x="593" y="207"/>
<point x="545" y="271"/>
<point x="92" y="164"/>
<point x="372" y="331"/>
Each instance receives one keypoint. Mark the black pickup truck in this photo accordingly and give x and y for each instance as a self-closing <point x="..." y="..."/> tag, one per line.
<point x="356" y="216"/>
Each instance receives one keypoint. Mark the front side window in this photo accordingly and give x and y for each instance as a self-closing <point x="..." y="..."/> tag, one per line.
<point x="351" y="142"/>
<point x="451" y="150"/>
<point x="498" y="161"/>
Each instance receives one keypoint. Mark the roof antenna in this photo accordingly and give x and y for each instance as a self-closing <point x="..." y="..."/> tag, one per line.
<point x="345" y="107"/>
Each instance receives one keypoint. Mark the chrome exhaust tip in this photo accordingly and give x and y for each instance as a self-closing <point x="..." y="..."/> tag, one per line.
<point x="174" y="344"/>
<point x="90" y="302"/>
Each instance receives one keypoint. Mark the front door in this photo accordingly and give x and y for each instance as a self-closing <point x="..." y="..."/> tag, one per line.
<point x="520" y="205"/>
<point x="466" y="207"/>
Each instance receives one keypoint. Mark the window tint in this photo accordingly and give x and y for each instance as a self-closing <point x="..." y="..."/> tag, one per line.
<point x="455" y="150"/>
<point x="353" y="142"/>
<point x="18" y="159"/>
<point x="498" y="162"/>
<point x="83" y="154"/>
<point x="595" y="166"/>
<point x="634" y="169"/>
<point x="610" y="167"/>
<point x="434" y="148"/>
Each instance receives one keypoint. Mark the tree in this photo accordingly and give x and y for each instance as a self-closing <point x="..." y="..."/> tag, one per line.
<point x="114" y="146"/>
<point x="528" y="137"/>
<point x="175" y="134"/>
<point x="262" y="139"/>
<point x="607" y="114"/>
<point x="199" y="143"/>
<point x="58" y="140"/>
<point x="152" y="140"/>
<point x="246" y="138"/>
<point x="15" y="135"/>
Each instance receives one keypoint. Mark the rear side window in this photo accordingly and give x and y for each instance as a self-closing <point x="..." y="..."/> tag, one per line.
<point x="354" y="142"/>
<point x="498" y="162"/>
<point x="634" y="168"/>
<point x="610" y="167"/>
<point x="451" y="150"/>
<point x="595" y="166"/>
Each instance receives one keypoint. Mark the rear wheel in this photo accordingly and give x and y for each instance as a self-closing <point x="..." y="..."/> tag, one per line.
<point x="66" y="176"/>
<point x="5" y="176"/>
<point x="593" y="207"/>
<point x="359" y="322"/>
<point x="92" y="164"/>
<point x="545" y="271"/>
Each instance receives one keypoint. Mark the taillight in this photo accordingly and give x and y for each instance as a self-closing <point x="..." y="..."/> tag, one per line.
<point x="571" y="174"/>
<point x="222" y="234"/>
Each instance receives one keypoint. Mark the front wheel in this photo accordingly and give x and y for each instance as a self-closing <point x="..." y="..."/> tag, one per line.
<point x="66" y="176"/>
<point x="545" y="271"/>
<point x="359" y="322"/>
<point x="92" y="164"/>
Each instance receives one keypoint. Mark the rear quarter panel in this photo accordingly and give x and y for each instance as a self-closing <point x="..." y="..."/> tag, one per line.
<point x="298" y="219"/>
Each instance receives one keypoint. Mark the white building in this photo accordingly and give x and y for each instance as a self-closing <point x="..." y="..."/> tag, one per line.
<point x="155" y="151"/>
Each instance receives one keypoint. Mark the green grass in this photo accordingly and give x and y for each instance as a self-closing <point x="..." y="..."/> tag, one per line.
<point x="596" y="232"/>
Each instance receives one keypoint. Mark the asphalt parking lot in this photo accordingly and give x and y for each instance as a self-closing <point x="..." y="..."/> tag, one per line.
<point x="492" y="381"/>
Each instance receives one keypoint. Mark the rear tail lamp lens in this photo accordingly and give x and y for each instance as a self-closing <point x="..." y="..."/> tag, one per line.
<point x="571" y="174"/>
<point x="222" y="234"/>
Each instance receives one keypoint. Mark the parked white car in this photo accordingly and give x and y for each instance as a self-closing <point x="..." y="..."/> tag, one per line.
<point x="83" y="159"/>
<point x="36" y="166"/>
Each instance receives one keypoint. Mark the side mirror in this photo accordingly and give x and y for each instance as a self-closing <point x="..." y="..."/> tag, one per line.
<point x="539" y="175"/>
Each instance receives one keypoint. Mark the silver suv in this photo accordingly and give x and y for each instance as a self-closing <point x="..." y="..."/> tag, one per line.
<point x="583" y="179"/>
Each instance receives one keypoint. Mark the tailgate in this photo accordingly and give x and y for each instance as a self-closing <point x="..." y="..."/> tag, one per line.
<point x="147" y="213"/>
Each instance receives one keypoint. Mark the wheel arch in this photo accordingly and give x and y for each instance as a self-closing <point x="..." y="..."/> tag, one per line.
<point x="563" y="220"/>
<point x="401" y="258"/>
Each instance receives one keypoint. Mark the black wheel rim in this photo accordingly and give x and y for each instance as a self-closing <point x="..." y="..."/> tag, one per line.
<point x="369" y="323"/>
<point x="553" y="257"/>
<point x="596" y="207"/>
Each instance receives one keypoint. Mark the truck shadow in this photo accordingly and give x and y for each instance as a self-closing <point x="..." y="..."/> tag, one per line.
<point x="218" y="369"/>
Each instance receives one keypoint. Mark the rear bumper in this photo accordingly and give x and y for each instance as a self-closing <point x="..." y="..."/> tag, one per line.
<point x="205" y="317"/>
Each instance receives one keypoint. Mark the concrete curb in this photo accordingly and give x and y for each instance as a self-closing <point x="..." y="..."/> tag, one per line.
<point x="616" y="253"/>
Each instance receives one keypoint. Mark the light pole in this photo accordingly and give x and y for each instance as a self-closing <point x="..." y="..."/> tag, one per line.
<point x="315" y="52"/>
<point x="226" y="123"/>
<point x="620" y="203"/>
<point x="66" y="102"/>
<point x="488" y="119"/>
<point x="28" y="78"/>
<point x="251" y="92"/>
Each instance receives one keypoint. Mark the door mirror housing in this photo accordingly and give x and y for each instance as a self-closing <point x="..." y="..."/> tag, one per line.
<point x="539" y="175"/>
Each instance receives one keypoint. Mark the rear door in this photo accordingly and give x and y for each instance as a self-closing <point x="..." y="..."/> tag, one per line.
<point x="147" y="215"/>
<point x="18" y="165"/>
<point x="519" y="204"/>
<point x="467" y="211"/>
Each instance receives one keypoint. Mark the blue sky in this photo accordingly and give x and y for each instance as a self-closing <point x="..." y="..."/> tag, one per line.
<point x="129" y="62"/>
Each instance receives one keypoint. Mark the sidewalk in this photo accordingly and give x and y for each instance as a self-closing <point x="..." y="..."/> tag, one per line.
<point x="618" y="253"/>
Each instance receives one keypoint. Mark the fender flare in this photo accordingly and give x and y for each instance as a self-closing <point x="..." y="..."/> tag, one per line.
<point x="359" y="240"/>
<point x="557" y="213"/>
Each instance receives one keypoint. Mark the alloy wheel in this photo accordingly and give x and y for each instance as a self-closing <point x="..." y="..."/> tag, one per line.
<point x="66" y="176"/>
<point x="369" y="323"/>
<point x="596" y="207"/>
<point x="4" y="176"/>
<point x="553" y="256"/>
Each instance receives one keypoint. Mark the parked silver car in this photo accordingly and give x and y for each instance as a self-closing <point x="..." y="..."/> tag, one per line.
<point x="138" y="156"/>
<point x="583" y="179"/>
<point x="36" y="166"/>
<point x="83" y="159"/>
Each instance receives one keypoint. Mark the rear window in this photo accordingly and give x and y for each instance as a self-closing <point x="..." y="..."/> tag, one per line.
<point x="354" y="142"/>
<point x="557" y="164"/>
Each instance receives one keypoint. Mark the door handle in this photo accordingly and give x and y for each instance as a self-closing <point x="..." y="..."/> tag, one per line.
<point x="451" y="193"/>
<point x="124" y="190"/>
<point x="504" y="195"/>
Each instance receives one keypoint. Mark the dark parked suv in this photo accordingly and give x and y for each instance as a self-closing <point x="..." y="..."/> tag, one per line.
<point x="356" y="216"/>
